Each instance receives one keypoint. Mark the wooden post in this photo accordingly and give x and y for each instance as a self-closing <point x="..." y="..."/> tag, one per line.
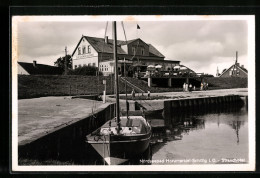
<point x="170" y="82"/>
<point x="149" y="81"/>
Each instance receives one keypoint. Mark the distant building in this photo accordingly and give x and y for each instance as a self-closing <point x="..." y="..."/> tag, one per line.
<point x="235" y="71"/>
<point x="98" y="52"/>
<point x="217" y="74"/>
<point x="25" y="68"/>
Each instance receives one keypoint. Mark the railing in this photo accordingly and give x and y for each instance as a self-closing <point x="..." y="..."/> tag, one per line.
<point x="171" y="74"/>
<point x="123" y="79"/>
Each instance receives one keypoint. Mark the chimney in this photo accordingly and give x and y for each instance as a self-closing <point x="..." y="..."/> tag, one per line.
<point x="238" y="64"/>
<point x="242" y="66"/>
<point x="106" y="39"/>
<point x="34" y="63"/>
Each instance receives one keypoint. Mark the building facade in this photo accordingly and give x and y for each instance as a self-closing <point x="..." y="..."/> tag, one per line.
<point x="132" y="55"/>
<point x="235" y="71"/>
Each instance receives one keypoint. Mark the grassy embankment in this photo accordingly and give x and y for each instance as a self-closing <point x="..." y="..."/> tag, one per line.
<point x="59" y="85"/>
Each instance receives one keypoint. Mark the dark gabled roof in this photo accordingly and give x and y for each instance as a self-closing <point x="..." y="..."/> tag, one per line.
<point x="241" y="68"/>
<point x="125" y="42"/>
<point x="154" y="51"/>
<point x="41" y="69"/>
<point x="100" y="46"/>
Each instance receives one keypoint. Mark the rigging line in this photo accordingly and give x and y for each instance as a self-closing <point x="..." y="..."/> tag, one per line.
<point x="122" y="23"/>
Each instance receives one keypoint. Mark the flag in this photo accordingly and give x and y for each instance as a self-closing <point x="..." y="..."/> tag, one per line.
<point x="138" y="27"/>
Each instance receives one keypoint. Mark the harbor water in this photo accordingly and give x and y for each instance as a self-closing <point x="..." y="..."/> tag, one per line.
<point x="211" y="135"/>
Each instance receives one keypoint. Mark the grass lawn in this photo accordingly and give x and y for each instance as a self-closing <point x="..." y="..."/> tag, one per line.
<point x="31" y="86"/>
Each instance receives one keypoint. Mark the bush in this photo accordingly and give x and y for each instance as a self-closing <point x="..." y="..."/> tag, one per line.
<point x="85" y="70"/>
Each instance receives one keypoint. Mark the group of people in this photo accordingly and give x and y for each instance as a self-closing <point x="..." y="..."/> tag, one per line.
<point x="188" y="87"/>
<point x="204" y="86"/>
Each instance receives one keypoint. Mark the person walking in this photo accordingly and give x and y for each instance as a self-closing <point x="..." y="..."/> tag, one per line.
<point x="201" y="86"/>
<point x="184" y="86"/>
<point x="133" y="94"/>
<point x="190" y="87"/>
<point x="194" y="88"/>
<point x="148" y="94"/>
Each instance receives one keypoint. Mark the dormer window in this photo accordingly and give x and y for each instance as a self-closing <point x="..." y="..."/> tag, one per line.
<point x="79" y="51"/>
<point x="89" y="49"/>
<point x="84" y="49"/>
<point x="142" y="51"/>
<point x="133" y="50"/>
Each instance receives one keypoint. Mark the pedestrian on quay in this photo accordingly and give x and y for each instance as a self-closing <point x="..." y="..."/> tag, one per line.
<point x="207" y="86"/>
<point x="190" y="87"/>
<point x="201" y="86"/>
<point x="194" y="88"/>
<point x="184" y="86"/>
<point x="133" y="94"/>
<point x="148" y="94"/>
<point x="204" y="86"/>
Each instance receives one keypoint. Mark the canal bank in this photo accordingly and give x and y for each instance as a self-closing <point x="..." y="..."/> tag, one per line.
<point x="52" y="127"/>
<point x="158" y="104"/>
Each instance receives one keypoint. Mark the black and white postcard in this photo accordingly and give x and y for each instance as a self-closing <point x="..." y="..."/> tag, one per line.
<point x="133" y="93"/>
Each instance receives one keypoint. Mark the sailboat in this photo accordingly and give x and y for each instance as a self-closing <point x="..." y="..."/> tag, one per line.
<point x="123" y="137"/>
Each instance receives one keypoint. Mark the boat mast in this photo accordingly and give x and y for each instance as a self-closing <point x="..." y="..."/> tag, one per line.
<point x="116" y="76"/>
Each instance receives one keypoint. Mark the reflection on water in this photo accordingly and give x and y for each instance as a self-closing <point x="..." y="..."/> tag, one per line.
<point x="211" y="135"/>
<point x="203" y="136"/>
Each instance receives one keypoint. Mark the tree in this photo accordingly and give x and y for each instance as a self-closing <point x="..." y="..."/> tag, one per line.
<point x="60" y="62"/>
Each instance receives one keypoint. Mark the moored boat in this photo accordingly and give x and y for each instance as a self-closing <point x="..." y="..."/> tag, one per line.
<point x="132" y="140"/>
<point x="123" y="137"/>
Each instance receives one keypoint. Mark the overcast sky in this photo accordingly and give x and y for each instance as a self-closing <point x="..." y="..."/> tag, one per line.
<point x="200" y="45"/>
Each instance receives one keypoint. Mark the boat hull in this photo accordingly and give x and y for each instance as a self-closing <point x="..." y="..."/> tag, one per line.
<point x="116" y="149"/>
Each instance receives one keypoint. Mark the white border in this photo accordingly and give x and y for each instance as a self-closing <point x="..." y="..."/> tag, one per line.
<point x="223" y="167"/>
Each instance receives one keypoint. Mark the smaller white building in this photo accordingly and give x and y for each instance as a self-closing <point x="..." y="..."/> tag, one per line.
<point x="84" y="55"/>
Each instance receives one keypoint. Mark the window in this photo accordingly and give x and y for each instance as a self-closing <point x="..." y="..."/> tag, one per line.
<point x="230" y="72"/>
<point x="94" y="64"/>
<point x="79" y="65"/>
<point x="89" y="49"/>
<point x="89" y="64"/>
<point x="84" y="49"/>
<point x="142" y="51"/>
<point x="75" y="66"/>
<point x="133" y="50"/>
<point x="79" y="50"/>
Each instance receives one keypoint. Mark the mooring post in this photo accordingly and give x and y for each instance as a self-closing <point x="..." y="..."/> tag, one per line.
<point x="149" y="81"/>
<point x="170" y="82"/>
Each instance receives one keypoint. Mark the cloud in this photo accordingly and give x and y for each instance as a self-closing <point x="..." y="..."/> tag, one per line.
<point x="201" y="45"/>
